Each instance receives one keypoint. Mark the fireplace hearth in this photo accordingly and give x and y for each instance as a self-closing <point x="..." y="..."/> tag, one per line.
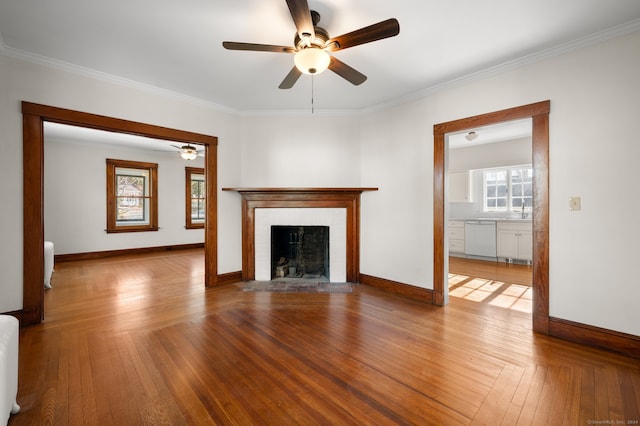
<point x="300" y="252"/>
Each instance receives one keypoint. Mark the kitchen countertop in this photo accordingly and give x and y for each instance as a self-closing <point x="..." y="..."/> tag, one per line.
<point x="497" y="219"/>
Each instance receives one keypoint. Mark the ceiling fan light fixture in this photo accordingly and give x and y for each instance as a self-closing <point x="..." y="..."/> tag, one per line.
<point x="312" y="60"/>
<point x="189" y="153"/>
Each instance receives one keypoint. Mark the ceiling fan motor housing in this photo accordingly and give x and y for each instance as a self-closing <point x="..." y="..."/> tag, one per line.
<point x="318" y="41"/>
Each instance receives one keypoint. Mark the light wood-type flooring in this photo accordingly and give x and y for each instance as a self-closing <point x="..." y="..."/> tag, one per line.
<point x="499" y="284"/>
<point x="138" y="340"/>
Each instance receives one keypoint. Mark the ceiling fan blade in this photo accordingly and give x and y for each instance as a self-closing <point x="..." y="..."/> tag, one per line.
<point x="290" y="79"/>
<point x="384" y="29"/>
<point x="345" y="71"/>
<point x="232" y="45"/>
<point x="176" y="146"/>
<point x="301" y="15"/>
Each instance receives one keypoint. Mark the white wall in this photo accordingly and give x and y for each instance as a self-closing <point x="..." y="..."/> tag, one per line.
<point x="300" y="150"/>
<point x="396" y="222"/>
<point x="75" y="201"/>
<point x="499" y="154"/>
<point x="593" y="151"/>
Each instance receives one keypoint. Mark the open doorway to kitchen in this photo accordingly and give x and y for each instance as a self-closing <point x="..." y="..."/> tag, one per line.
<point x="539" y="115"/>
<point x="489" y="205"/>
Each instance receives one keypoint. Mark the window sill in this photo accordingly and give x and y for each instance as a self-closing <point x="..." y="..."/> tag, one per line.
<point x="131" y="229"/>
<point x="194" y="226"/>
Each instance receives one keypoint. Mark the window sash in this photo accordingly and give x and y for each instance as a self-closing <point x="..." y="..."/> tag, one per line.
<point x="195" y="198"/>
<point x="132" y="200"/>
<point x="508" y="190"/>
<point x="131" y="196"/>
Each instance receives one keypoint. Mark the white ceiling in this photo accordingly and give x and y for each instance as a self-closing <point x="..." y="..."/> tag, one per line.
<point x="74" y="134"/>
<point x="176" y="46"/>
<point x="501" y="132"/>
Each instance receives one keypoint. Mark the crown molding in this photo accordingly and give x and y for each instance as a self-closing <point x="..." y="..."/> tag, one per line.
<point x="109" y="78"/>
<point x="302" y="113"/>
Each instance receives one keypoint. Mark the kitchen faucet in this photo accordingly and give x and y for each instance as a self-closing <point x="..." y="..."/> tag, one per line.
<point x="524" y="214"/>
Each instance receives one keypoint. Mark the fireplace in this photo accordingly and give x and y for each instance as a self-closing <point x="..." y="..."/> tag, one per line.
<point x="337" y="208"/>
<point x="300" y="252"/>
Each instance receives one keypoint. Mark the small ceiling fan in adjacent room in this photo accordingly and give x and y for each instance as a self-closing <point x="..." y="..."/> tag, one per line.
<point x="312" y="44"/>
<point x="188" y="151"/>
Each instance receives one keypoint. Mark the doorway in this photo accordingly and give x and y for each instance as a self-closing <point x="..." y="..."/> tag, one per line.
<point x="34" y="116"/>
<point x="489" y="215"/>
<point x="539" y="113"/>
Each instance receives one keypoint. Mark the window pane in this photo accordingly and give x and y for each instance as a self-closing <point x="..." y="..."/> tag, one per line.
<point x="502" y="202"/>
<point x="197" y="209"/>
<point x="491" y="203"/>
<point x="528" y="189"/>
<point x="197" y="189"/>
<point x="131" y="209"/>
<point x="502" y="191"/>
<point x="491" y="191"/>
<point x="133" y="186"/>
<point x="517" y="190"/>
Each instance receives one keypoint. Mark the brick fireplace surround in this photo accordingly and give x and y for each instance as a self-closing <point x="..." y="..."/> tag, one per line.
<point x="266" y="198"/>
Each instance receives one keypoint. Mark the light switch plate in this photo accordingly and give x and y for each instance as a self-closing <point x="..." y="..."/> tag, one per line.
<point x="575" y="203"/>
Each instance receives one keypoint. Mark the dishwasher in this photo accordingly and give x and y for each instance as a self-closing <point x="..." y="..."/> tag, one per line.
<point x="480" y="238"/>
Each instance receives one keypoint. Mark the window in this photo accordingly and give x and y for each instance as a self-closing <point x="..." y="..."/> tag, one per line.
<point x="508" y="190"/>
<point x="195" y="197"/>
<point x="132" y="196"/>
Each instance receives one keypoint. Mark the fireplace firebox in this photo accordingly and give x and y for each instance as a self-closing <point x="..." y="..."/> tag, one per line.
<point x="300" y="252"/>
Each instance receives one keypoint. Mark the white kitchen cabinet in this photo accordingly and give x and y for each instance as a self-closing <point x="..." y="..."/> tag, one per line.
<point x="456" y="238"/>
<point x="514" y="240"/>
<point x="460" y="187"/>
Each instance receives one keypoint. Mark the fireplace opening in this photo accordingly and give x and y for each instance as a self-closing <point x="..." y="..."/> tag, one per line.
<point x="300" y="252"/>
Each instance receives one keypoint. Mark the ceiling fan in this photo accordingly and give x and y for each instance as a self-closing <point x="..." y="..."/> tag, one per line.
<point x="188" y="151"/>
<point x="312" y="45"/>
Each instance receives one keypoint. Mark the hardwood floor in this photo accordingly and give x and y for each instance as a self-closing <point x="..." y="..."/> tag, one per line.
<point x="511" y="273"/>
<point x="500" y="284"/>
<point x="139" y="340"/>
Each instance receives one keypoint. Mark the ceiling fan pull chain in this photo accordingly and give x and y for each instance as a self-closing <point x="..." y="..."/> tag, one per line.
<point x="312" y="106"/>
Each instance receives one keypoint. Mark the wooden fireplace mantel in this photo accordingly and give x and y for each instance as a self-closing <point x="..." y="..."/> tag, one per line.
<point x="299" y="191"/>
<point x="347" y="198"/>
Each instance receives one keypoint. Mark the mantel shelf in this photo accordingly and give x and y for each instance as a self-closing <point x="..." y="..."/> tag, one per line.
<point x="300" y="190"/>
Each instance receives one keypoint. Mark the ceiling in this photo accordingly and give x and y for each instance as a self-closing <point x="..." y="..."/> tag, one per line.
<point x="80" y="135"/>
<point x="176" y="46"/>
<point x="509" y="130"/>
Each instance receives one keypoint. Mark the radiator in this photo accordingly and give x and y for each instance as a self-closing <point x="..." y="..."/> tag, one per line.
<point x="48" y="263"/>
<point x="8" y="367"/>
